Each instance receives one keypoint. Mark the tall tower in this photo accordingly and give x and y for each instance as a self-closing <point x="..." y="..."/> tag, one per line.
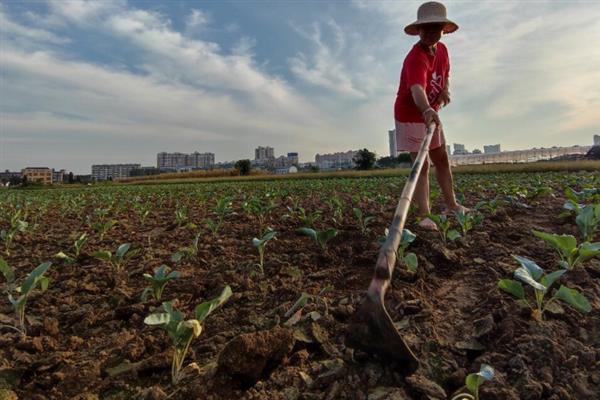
<point x="393" y="146"/>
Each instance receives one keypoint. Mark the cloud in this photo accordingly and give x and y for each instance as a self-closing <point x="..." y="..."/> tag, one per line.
<point x="26" y="36"/>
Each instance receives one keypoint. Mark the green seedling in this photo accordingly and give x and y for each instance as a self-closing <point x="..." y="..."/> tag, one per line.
<point x="183" y="331"/>
<point x="308" y="220"/>
<point x="260" y="244"/>
<point x="476" y="379"/>
<point x="17" y="225"/>
<point x="570" y="253"/>
<point x="142" y="210"/>
<point x="103" y="227"/>
<point x="30" y="283"/>
<point x="492" y="206"/>
<point x="222" y="210"/>
<point x="119" y="258"/>
<point x="443" y="224"/>
<point x="587" y="220"/>
<point x="362" y="221"/>
<point x="410" y="260"/>
<point x="181" y="216"/>
<point x="337" y="208"/>
<point x="321" y="237"/>
<point x="77" y="246"/>
<point x="533" y="275"/>
<point x="187" y="252"/>
<point x="260" y="210"/>
<point x="9" y="275"/>
<point x="158" y="281"/>
<point x="468" y="221"/>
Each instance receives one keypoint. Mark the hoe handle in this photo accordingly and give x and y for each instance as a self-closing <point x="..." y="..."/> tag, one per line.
<point x="387" y="255"/>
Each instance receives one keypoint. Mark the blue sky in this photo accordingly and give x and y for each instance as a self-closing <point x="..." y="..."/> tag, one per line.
<point x="110" y="81"/>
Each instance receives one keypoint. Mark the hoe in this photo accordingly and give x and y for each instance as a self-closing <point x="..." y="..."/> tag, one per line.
<point x="371" y="328"/>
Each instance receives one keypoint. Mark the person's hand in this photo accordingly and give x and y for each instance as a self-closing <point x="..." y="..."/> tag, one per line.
<point x="444" y="97"/>
<point x="430" y="115"/>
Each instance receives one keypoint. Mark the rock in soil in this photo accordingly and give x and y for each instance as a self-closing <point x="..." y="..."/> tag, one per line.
<point x="249" y="355"/>
<point x="425" y="386"/>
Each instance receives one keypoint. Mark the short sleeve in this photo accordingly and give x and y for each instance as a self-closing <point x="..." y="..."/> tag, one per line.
<point x="416" y="70"/>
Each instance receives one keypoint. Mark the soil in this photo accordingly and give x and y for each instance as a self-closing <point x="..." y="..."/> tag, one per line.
<point x="86" y="337"/>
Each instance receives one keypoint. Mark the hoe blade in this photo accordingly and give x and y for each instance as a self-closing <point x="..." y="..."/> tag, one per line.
<point x="372" y="330"/>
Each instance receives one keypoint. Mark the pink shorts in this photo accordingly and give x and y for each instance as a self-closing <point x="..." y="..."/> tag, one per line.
<point x="409" y="136"/>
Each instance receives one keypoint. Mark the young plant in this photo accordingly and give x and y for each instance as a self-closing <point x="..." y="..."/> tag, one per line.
<point x="183" y="331"/>
<point x="337" y="208"/>
<point x="102" y="227"/>
<point x="142" y="210"/>
<point x="77" y="246"/>
<point x="321" y="237"/>
<point x="187" y="252"/>
<point x="17" y="225"/>
<point x="30" y="283"/>
<point x="410" y="260"/>
<point x="476" y="379"/>
<point x="260" y="210"/>
<point x="306" y="219"/>
<point x="222" y="210"/>
<point x="181" y="216"/>
<point x="571" y="255"/>
<point x="260" y="244"/>
<point x="9" y="275"/>
<point x="530" y="273"/>
<point x="158" y="281"/>
<point x="118" y="259"/>
<point x="587" y="220"/>
<point x="362" y="221"/>
<point x="443" y="224"/>
<point x="468" y="221"/>
<point x="492" y="206"/>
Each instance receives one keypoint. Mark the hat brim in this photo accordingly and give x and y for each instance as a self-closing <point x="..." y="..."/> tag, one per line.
<point x="413" y="29"/>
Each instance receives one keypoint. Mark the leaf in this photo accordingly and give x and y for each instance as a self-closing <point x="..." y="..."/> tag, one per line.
<point x="453" y="234"/>
<point x="158" y="319"/>
<point x="309" y="232"/>
<point x="177" y="256"/>
<point x="534" y="270"/>
<point x="573" y="298"/>
<point x="548" y="280"/>
<point x="104" y="255"/>
<point x="34" y="276"/>
<point x="204" y="309"/>
<point x="7" y="271"/>
<point x="524" y="275"/>
<point x="565" y="244"/>
<point x="411" y="262"/>
<point x="512" y="287"/>
<point x="173" y="275"/>
<point x="122" y="250"/>
<point x="475" y="380"/>
<point x="588" y="250"/>
<point x="301" y="302"/>
<point x="407" y="238"/>
<point x="44" y="283"/>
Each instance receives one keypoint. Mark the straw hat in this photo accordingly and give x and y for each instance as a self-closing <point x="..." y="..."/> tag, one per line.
<point x="431" y="12"/>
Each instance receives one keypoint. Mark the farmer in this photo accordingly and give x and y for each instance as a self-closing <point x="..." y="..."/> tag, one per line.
<point x="423" y="91"/>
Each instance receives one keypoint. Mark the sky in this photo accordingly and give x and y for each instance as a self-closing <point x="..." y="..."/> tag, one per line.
<point x="117" y="81"/>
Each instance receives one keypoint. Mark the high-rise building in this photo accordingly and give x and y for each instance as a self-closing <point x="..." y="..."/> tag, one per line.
<point x="336" y="160"/>
<point x="264" y="153"/>
<point x="393" y="144"/>
<point x="178" y="161"/>
<point x="596" y="140"/>
<point x="459" y="149"/>
<point x="491" y="149"/>
<point x="103" y="172"/>
<point x="293" y="158"/>
<point x="38" y="174"/>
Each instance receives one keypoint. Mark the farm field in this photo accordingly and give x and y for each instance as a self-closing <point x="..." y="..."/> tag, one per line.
<point x="97" y="333"/>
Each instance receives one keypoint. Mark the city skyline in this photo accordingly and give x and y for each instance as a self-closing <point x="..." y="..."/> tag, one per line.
<point x="115" y="81"/>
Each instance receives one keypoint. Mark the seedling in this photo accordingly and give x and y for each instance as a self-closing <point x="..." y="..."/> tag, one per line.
<point x="476" y="379"/>
<point x="534" y="276"/>
<point x="222" y="210"/>
<point x="410" y="260"/>
<point x="260" y="244"/>
<point x="308" y="220"/>
<point x="142" y="210"/>
<point x="17" y="225"/>
<point x="492" y="205"/>
<point x="118" y="259"/>
<point x="183" y="331"/>
<point x="8" y="274"/>
<point x="587" y="221"/>
<point x="468" y="221"/>
<point x="158" y="281"/>
<point x="443" y="224"/>
<point x="34" y="278"/>
<point x="260" y="210"/>
<point x="321" y="237"/>
<point x="103" y="227"/>
<point x="77" y="246"/>
<point x="184" y="252"/>
<point x="337" y="207"/>
<point x="362" y="221"/>
<point x="571" y="255"/>
<point x="181" y="216"/>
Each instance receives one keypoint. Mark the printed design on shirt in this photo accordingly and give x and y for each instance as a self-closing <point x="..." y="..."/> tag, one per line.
<point x="436" y="85"/>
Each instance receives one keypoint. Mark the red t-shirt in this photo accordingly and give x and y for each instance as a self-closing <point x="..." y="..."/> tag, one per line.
<point x="427" y="70"/>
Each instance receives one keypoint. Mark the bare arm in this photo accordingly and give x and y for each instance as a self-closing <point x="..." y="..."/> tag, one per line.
<point x="420" y="98"/>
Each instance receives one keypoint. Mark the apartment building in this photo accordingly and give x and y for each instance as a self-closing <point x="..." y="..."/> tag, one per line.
<point x="38" y="174"/>
<point x="178" y="161"/>
<point x="103" y="172"/>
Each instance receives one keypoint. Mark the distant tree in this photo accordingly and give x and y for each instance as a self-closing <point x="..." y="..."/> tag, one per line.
<point x="15" y="180"/>
<point x="364" y="159"/>
<point x="70" y="178"/>
<point x="243" y="166"/>
<point x="404" y="158"/>
<point x="314" y="168"/>
<point x="387" y="162"/>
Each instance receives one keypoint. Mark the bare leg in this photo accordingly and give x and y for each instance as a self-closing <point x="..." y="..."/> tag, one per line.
<point x="421" y="195"/>
<point x="439" y="157"/>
